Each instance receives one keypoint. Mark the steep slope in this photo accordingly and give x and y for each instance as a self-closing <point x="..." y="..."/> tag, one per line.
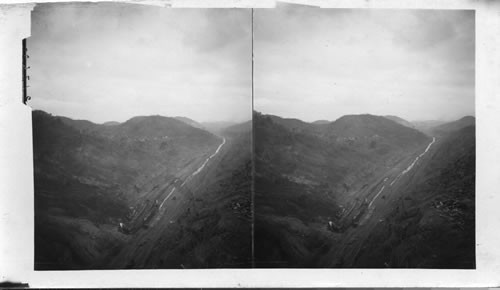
<point x="425" y="219"/>
<point x="81" y="125"/>
<point x="207" y="224"/>
<point x="294" y="125"/>
<point x="91" y="178"/>
<point x="308" y="175"/>
<point x="451" y="127"/>
<point x="287" y="206"/>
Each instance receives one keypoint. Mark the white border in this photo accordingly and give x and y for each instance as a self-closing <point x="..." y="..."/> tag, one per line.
<point x="16" y="177"/>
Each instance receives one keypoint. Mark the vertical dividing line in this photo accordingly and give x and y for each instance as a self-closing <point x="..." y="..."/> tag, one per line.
<point x="25" y="94"/>
<point x="253" y="155"/>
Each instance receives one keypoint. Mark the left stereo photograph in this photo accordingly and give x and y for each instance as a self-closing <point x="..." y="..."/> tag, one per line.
<point x="142" y="136"/>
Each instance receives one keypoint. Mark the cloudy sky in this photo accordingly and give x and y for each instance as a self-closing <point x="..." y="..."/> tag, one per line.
<point x="324" y="63"/>
<point x="104" y="62"/>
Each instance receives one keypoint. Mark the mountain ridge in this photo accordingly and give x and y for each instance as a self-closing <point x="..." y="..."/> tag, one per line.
<point x="452" y="126"/>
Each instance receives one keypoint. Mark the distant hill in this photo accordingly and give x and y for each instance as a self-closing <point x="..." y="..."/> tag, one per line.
<point x="244" y="128"/>
<point x="138" y="127"/>
<point x="321" y="122"/>
<point x="217" y="127"/>
<point x="154" y="127"/>
<point x="190" y="122"/>
<point x="427" y="126"/>
<point x="292" y="124"/>
<point x="355" y="130"/>
<point x="454" y="126"/>
<point x="77" y="124"/>
<point x="136" y="143"/>
<point x="375" y="127"/>
<point x="111" y="123"/>
<point x="400" y="121"/>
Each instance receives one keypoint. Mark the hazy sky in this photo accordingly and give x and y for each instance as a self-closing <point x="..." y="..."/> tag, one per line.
<point x="324" y="63"/>
<point x="106" y="62"/>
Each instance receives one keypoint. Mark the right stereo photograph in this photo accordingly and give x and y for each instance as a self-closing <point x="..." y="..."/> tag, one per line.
<point x="364" y="138"/>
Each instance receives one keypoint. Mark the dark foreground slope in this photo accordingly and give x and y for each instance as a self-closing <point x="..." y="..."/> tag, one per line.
<point x="363" y="191"/>
<point x="426" y="218"/>
<point x="98" y="186"/>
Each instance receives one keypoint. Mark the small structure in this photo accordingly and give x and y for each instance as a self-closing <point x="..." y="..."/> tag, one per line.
<point x="332" y="226"/>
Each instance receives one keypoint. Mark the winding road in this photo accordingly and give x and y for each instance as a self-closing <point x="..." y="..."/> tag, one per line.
<point x="415" y="161"/>
<point x="404" y="171"/>
<point x="205" y="163"/>
<point x="354" y="237"/>
<point x="160" y="213"/>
